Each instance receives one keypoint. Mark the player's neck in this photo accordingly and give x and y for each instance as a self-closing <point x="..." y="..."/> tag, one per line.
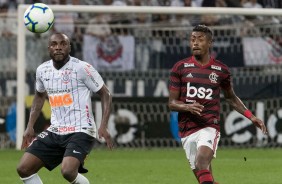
<point x="203" y="60"/>
<point x="60" y="64"/>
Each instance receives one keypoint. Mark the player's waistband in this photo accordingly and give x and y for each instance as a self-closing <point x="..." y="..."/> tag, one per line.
<point x="64" y="130"/>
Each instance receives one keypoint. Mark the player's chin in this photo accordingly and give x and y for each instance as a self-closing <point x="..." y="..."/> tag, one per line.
<point x="196" y="52"/>
<point x="59" y="58"/>
<point x="197" y="55"/>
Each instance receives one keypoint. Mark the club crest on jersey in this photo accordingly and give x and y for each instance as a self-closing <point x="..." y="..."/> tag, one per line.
<point x="213" y="77"/>
<point x="66" y="76"/>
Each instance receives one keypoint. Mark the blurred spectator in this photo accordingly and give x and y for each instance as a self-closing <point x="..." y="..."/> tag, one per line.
<point x="36" y="1"/>
<point x="182" y="19"/>
<point x="232" y="3"/>
<point x="10" y="6"/>
<point x="160" y="3"/>
<point x="65" y="21"/>
<point x="197" y="3"/>
<point x="271" y="3"/>
<point x="98" y="26"/>
<point x="108" y="48"/>
<point x="142" y="35"/>
<point x="251" y="4"/>
<point x="8" y="26"/>
<point x="8" y="32"/>
<point x="208" y="3"/>
<point x="220" y="3"/>
<point x="113" y="3"/>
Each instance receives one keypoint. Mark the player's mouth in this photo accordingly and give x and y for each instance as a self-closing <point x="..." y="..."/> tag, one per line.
<point x="196" y="49"/>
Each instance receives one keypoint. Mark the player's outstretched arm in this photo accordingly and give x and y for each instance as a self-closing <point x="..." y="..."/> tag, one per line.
<point x="238" y="105"/>
<point x="106" y="99"/>
<point x="37" y="104"/>
<point x="175" y="105"/>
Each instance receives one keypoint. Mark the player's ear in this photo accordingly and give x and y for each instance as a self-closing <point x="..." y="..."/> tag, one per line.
<point x="210" y="41"/>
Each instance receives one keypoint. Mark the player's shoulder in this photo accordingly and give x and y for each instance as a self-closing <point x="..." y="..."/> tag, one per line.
<point x="44" y="66"/>
<point x="218" y="65"/>
<point x="184" y="63"/>
<point x="79" y="63"/>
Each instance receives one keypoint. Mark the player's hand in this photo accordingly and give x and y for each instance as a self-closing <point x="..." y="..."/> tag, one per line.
<point x="103" y="132"/>
<point x="195" y="108"/>
<point x="258" y="123"/>
<point x="27" y="137"/>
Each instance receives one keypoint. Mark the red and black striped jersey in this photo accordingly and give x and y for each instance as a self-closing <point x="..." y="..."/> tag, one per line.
<point x="197" y="83"/>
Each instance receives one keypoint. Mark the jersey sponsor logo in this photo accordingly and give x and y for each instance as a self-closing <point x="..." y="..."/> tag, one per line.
<point x="67" y="129"/>
<point x="52" y="91"/>
<point x="216" y="67"/>
<point x="188" y="65"/>
<point x="60" y="100"/>
<point x="200" y="92"/>
<point x="213" y="77"/>
<point x="62" y="129"/>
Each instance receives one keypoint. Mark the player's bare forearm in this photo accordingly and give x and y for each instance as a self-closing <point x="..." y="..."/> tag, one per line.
<point x="37" y="104"/>
<point x="234" y="101"/>
<point x="176" y="105"/>
<point x="239" y="106"/>
<point x="106" y="100"/>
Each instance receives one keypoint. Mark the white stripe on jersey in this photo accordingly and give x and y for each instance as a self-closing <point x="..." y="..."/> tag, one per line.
<point x="69" y="91"/>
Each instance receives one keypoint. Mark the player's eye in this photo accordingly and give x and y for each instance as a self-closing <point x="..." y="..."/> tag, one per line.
<point x="64" y="44"/>
<point x="53" y="44"/>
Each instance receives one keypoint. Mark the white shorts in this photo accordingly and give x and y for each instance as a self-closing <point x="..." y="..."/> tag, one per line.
<point x="205" y="137"/>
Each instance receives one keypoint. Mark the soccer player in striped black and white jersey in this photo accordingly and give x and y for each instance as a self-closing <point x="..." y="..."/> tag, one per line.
<point x="194" y="92"/>
<point x="68" y="83"/>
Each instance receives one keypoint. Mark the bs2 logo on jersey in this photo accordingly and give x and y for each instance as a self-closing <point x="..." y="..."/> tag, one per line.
<point x="200" y="92"/>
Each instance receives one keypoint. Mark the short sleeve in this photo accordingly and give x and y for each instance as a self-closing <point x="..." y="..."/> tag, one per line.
<point x="39" y="86"/>
<point x="174" y="78"/>
<point x="92" y="79"/>
<point x="226" y="82"/>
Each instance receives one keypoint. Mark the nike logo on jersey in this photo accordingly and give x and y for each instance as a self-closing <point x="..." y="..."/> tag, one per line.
<point x="76" y="152"/>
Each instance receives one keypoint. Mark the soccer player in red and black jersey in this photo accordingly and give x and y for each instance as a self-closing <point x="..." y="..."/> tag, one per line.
<point x="194" y="92"/>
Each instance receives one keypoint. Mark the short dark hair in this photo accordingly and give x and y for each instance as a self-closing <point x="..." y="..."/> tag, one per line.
<point x="205" y="29"/>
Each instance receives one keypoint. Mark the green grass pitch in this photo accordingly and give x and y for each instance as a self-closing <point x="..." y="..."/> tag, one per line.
<point x="160" y="166"/>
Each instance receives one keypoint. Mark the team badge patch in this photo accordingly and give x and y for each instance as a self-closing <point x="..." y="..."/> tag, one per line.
<point x="213" y="77"/>
<point x="66" y="76"/>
